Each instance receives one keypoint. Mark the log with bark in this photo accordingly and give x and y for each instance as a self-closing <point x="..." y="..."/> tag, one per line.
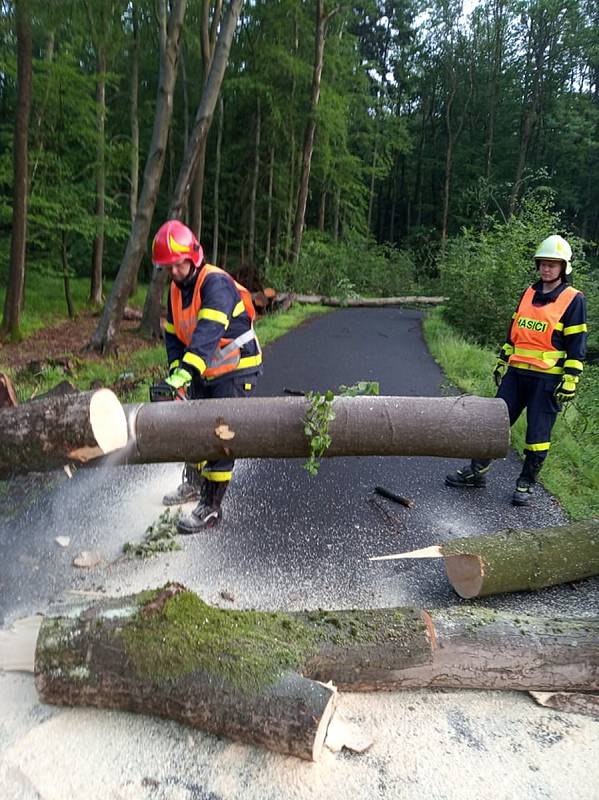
<point x="60" y="429"/>
<point x="371" y="302"/>
<point x="256" y="676"/>
<point x="273" y="427"/>
<point x="515" y="560"/>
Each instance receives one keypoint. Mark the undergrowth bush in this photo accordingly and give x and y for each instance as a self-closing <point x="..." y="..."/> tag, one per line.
<point x="345" y="269"/>
<point x="484" y="272"/>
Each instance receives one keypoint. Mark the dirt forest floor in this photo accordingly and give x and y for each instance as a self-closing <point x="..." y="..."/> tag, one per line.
<point x="67" y="340"/>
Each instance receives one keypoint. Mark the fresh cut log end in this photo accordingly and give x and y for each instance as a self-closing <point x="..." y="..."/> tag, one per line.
<point x="466" y="574"/>
<point x="108" y="421"/>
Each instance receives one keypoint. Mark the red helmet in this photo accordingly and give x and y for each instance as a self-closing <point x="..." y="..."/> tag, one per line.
<point x="173" y="242"/>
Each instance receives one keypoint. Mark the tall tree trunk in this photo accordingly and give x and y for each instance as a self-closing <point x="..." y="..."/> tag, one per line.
<point x="498" y="12"/>
<point x="208" y="41"/>
<point x="150" y="324"/>
<point x="13" y="301"/>
<point x="452" y="138"/>
<point x="322" y="207"/>
<point x="103" y="338"/>
<point x="336" y="214"/>
<point x="271" y="172"/>
<point x="65" y="275"/>
<point x="254" y="189"/>
<point x="95" y="292"/>
<point x="134" y="116"/>
<point x="134" y="121"/>
<point x="372" y="172"/>
<point x="217" y="164"/>
<point x="322" y="20"/>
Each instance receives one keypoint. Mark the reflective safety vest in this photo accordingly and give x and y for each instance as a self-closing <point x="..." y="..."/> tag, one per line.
<point x="227" y="357"/>
<point x="532" y="329"/>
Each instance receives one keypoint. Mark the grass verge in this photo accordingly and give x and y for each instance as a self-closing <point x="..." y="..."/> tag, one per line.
<point x="131" y="377"/>
<point x="571" y="472"/>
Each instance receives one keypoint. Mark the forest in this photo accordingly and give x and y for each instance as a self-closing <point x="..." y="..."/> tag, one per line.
<point x="343" y="148"/>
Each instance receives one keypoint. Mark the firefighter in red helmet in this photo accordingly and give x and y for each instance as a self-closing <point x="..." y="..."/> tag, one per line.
<point x="212" y="352"/>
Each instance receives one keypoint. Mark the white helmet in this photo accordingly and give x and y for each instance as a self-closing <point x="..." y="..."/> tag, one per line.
<point x="554" y="248"/>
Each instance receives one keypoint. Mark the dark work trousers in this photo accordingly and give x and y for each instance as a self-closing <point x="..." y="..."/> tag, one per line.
<point x="525" y="389"/>
<point x="234" y="386"/>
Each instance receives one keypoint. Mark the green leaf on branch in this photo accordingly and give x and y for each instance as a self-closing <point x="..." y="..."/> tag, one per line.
<point x="321" y="413"/>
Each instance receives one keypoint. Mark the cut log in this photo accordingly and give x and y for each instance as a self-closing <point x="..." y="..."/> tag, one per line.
<point x="273" y="427"/>
<point x="371" y="302"/>
<point x="515" y="560"/>
<point x="57" y="430"/>
<point x="167" y="653"/>
<point x="574" y="702"/>
<point x="260" y="677"/>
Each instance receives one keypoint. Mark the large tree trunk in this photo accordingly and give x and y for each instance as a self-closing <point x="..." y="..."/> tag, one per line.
<point x="217" y="166"/>
<point x="96" y="293"/>
<point x="151" y="313"/>
<point x="322" y="20"/>
<point x="13" y="301"/>
<point x="58" y="430"/>
<point x="103" y="338"/>
<point x="273" y="427"/>
<point x="237" y="673"/>
<point x="254" y="188"/>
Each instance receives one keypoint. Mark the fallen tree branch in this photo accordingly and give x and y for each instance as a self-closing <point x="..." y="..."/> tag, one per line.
<point x="371" y="302"/>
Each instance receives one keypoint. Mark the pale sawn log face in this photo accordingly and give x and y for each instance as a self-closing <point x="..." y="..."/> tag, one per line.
<point x="57" y="430"/>
<point x="522" y="559"/>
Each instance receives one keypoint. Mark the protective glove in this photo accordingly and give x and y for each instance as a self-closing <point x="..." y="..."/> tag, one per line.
<point x="566" y="389"/>
<point x="179" y="379"/>
<point x="499" y="371"/>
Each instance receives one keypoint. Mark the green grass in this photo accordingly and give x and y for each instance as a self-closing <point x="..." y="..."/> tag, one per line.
<point x="45" y="302"/>
<point x="130" y="376"/>
<point x="571" y="472"/>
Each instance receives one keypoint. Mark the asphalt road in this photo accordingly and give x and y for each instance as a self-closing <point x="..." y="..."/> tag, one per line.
<point x="290" y="541"/>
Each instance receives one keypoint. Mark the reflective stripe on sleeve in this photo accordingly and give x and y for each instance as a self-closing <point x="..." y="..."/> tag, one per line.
<point x="214" y="316"/>
<point x="571" y="329"/>
<point x="169" y="327"/>
<point x="195" y="361"/>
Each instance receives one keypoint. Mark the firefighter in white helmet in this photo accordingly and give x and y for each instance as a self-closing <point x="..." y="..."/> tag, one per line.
<point x="539" y="366"/>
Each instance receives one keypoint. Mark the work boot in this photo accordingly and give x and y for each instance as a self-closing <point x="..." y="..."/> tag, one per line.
<point x="469" y="476"/>
<point x="207" y="514"/>
<point x="191" y="488"/>
<point x="524" y="493"/>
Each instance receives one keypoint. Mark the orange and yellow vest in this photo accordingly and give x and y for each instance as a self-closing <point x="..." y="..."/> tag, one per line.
<point x="532" y="329"/>
<point x="185" y="321"/>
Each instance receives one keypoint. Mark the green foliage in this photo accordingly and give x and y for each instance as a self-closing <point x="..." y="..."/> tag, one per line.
<point x="345" y="269"/>
<point x="158" y="538"/>
<point x="316" y="427"/>
<point x="321" y="413"/>
<point x="484" y="272"/>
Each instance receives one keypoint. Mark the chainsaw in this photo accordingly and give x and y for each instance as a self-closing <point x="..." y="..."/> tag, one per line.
<point x="161" y="392"/>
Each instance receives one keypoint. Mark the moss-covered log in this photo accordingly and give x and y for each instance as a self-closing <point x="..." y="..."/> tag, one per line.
<point x="56" y="430"/>
<point x="273" y="427"/>
<point x="255" y="676"/>
<point x="522" y="559"/>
